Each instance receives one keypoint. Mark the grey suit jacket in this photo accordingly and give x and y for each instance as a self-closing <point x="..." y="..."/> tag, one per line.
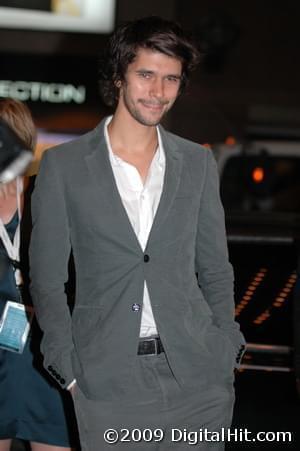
<point x="76" y="205"/>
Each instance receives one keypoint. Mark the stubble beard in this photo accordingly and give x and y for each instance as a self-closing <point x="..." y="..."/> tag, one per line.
<point x="140" y="117"/>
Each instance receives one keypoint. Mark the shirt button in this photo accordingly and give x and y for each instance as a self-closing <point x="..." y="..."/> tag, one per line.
<point x="146" y="258"/>
<point x="135" y="307"/>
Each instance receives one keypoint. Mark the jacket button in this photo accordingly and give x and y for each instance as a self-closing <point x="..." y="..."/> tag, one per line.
<point x="50" y="368"/>
<point x="62" y="381"/>
<point x="135" y="307"/>
<point x="146" y="258"/>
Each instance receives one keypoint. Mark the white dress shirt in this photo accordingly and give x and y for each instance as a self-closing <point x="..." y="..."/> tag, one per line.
<point x="140" y="202"/>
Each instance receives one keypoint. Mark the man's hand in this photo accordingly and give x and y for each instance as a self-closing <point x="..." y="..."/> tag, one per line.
<point x="72" y="387"/>
<point x="72" y="390"/>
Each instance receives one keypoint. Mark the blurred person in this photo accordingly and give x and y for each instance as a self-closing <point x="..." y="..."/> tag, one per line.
<point x="148" y="347"/>
<point x="32" y="408"/>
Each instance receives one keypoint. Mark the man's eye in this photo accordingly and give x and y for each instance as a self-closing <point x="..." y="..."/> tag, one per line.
<point x="173" y="79"/>
<point x="144" y="74"/>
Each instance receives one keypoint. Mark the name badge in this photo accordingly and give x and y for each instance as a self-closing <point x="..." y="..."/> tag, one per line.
<point x="15" y="326"/>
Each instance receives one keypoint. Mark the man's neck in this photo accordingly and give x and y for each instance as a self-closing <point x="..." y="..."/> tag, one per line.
<point x="130" y="137"/>
<point x="133" y="142"/>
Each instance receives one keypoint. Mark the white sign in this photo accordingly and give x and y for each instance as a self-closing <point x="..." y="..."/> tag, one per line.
<point x="36" y="91"/>
<point x="89" y="16"/>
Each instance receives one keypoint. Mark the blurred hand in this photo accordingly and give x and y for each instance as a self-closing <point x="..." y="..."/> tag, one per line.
<point x="73" y="389"/>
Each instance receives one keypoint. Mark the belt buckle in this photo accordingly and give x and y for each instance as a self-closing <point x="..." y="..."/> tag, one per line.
<point x="155" y="346"/>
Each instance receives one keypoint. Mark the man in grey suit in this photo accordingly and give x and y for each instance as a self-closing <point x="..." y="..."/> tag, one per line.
<point x="150" y="348"/>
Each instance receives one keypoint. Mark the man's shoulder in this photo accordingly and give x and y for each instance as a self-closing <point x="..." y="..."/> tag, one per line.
<point x="188" y="148"/>
<point x="76" y="148"/>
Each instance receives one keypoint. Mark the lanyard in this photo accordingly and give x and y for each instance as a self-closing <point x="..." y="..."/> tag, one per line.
<point x="13" y="247"/>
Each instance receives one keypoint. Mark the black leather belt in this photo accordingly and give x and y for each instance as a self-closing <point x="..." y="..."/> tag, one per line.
<point x="150" y="346"/>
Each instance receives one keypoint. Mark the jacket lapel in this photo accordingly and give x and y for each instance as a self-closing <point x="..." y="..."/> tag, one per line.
<point x="100" y="169"/>
<point x="171" y="184"/>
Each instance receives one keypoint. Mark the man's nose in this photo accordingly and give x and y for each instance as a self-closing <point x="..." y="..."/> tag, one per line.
<point x="157" y="88"/>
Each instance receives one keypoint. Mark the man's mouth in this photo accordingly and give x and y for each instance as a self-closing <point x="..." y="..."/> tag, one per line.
<point x="154" y="105"/>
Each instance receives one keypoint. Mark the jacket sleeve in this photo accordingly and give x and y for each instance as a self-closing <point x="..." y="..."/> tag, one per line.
<point x="215" y="273"/>
<point x="49" y="255"/>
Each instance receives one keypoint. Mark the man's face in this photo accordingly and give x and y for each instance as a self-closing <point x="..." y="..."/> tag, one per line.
<point x="151" y="86"/>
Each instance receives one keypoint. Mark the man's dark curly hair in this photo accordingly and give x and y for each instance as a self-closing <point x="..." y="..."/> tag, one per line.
<point x="153" y="33"/>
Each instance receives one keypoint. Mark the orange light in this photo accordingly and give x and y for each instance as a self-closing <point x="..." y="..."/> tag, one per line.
<point x="258" y="174"/>
<point x="252" y="288"/>
<point x="230" y="141"/>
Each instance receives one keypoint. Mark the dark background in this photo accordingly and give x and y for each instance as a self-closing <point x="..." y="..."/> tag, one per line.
<point x="42" y="5"/>
<point x="250" y="74"/>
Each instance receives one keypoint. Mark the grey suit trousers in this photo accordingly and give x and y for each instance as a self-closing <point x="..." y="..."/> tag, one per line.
<point x="156" y="413"/>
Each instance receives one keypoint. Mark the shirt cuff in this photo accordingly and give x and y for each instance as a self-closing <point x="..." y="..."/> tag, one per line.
<point x="71" y="384"/>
